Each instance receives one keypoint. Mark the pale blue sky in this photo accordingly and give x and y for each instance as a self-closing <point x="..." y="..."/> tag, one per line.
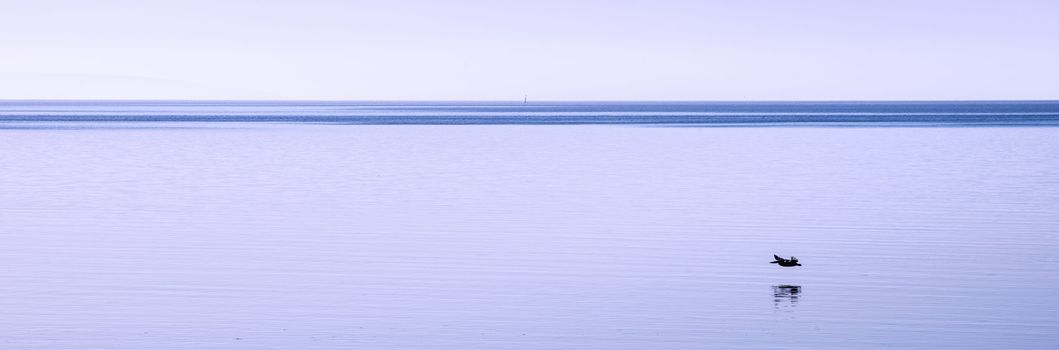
<point x="550" y="50"/>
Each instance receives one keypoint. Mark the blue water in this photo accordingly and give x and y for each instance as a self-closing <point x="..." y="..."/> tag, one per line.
<point x="320" y="225"/>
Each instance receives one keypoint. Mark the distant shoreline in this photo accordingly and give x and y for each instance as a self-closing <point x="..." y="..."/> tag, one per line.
<point x="773" y="113"/>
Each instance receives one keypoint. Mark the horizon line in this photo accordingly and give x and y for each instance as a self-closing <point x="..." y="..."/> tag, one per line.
<point x="519" y="101"/>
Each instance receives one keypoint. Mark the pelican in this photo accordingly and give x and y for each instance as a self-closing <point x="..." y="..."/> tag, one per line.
<point x="785" y="262"/>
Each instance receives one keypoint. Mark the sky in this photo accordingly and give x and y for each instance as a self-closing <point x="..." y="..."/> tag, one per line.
<point x="543" y="49"/>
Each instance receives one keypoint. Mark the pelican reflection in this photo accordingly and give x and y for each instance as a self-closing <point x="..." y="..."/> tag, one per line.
<point x="785" y="293"/>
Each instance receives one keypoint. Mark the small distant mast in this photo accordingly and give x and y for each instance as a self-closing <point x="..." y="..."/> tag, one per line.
<point x="525" y="98"/>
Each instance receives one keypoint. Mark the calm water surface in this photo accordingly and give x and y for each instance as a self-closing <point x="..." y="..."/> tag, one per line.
<point x="279" y="234"/>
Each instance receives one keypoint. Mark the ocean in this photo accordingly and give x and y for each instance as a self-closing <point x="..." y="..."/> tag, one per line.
<point x="544" y="225"/>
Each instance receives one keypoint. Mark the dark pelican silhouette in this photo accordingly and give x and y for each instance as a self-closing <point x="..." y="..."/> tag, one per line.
<point x="785" y="262"/>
